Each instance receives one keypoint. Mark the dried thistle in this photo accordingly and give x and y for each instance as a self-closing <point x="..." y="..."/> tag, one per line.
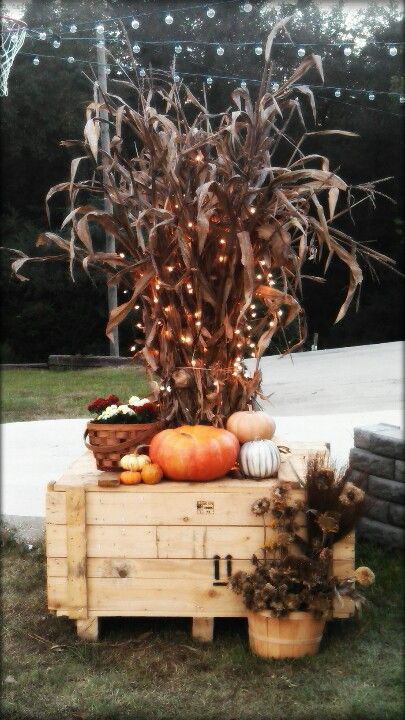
<point x="364" y="576"/>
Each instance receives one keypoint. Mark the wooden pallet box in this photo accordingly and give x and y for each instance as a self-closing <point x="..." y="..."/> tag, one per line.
<point x="160" y="550"/>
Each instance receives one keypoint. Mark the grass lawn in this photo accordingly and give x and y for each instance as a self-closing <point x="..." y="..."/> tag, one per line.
<point x="149" y="669"/>
<point x="48" y="394"/>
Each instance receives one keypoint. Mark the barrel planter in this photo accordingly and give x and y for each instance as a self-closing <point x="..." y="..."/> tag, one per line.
<point x="292" y="636"/>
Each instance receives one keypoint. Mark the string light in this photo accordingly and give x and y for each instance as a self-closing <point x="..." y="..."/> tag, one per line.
<point x="237" y="331"/>
<point x="142" y="72"/>
<point x="73" y="29"/>
<point x="248" y="327"/>
<point x="222" y="241"/>
<point x="393" y="51"/>
<point x="210" y="12"/>
<point x="167" y="308"/>
<point x="247" y="7"/>
<point x="198" y="323"/>
<point x="258" y="50"/>
<point x="347" y="51"/>
<point x="168" y="20"/>
<point x="100" y="29"/>
<point x="190" y="224"/>
<point x="177" y="49"/>
<point x="259" y="276"/>
<point x="136" y="307"/>
<point x="199" y="157"/>
<point x="170" y="268"/>
<point x="254" y="314"/>
<point x="56" y="43"/>
<point x="35" y="61"/>
<point x="135" y="24"/>
<point x="132" y="348"/>
<point x="193" y="362"/>
<point x="209" y="81"/>
<point x="222" y="258"/>
<point x="70" y="59"/>
<point x="272" y="323"/>
<point x="125" y="292"/>
<point x="176" y="78"/>
<point x="136" y="48"/>
<point x="371" y="96"/>
<point x="337" y="93"/>
<point x="139" y="325"/>
<point x="301" y="52"/>
<point x="253" y="306"/>
<point x="252" y="210"/>
<point x="220" y="50"/>
<point x="279" y="313"/>
<point x="42" y="35"/>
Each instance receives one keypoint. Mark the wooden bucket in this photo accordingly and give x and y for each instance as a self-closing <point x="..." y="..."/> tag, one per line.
<point x="109" y="443"/>
<point x="295" y="635"/>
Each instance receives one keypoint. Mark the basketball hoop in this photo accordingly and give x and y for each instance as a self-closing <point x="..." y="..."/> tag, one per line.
<point x="13" y="34"/>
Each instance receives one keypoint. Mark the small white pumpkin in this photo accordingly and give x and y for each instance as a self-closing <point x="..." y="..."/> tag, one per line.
<point x="259" y="459"/>
<point x="134" y="462"/>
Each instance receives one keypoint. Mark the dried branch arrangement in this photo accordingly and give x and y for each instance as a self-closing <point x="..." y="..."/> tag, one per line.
<point x="211" y="233"/>
<point x="295" y="572"/>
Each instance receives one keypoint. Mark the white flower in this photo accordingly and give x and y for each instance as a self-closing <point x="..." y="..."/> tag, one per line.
<point x="137" y="402"/>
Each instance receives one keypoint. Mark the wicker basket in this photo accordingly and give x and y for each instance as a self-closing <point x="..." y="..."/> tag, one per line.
<point x="109" y="443"/>
<point x="293" y="636"/>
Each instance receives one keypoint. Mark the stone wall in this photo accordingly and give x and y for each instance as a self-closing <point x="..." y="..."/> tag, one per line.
<point x="377" y="466"/>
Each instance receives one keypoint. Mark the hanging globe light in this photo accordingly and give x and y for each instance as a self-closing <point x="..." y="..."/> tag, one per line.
<point x="42" y="35"/>
<point x="73" y="28"/>
<point x="347" y="51"/>
<point x="177" y="49"/>
<point x="100" y="29"/>
<point x="209" y="80"/>
<point x="56" y="43"/>
<point x="211" y="12"/>
<point x="337" y="93"/>
<point x="35" y="61"/>
<point x="393" y="51"/>
<point x="136" y="48"/>
<point x="70" y="59"/>
<point x="258" y="50"/>
<point x="371" y="96"/>
<point x="220" y="50"/>
<point x="247" y="8"/>
<point x="301" y="52"/>
<point x="135" y="24"/>
<point x="142" y="72"/>
<point x="168" y="20"/>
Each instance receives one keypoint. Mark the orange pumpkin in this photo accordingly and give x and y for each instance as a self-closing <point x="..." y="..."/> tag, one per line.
<point x="151" y="474"/>
<point x="130" y="477"/>
<point x="194" y="452"/>
<point x="251" y="425"/>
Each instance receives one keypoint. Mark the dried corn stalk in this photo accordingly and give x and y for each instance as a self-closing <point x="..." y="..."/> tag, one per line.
<point x="210" y="227"/>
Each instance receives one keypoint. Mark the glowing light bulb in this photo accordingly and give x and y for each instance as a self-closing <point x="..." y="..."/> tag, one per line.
<point x="371" y="96"/>
<point x="259" y="276"/>
<point x="169" y="20"/>
<point x="42" y="35"/>
<point x="199" y="157"/>
<point x="136" y="48"/>
<point x="253" y="354"/>
<point x="253" y="306"/>
<point x="279" y="313"/>
<point x="248" y="327"/>
<point x="73" y="29"/>
<point x="220" y="50"/>
<point x="252" y="345"/>
<point x="138" y="325"/>
<point x="136" y="307"/>
<point x="210" y="12"/>
<point x="243" y="85"/>
<point x="35" y="61"/>
<point x="347" y="51"/>
<point x="301" y="52"/>
<point x="142" y="72"/>
<point x="262" y="262"/>
<point x="177" y="49"/>
<point x="122" y="255"/>
<point x="170" y="268"/>
<point x="190" y="224"/>
<point x="56" y="43"/>
<point x="247" y="8"/>
<point x="337" y="93"/>
<point x="198" y="323"/>
<point x="135" y="24"/>
<point x="393" y="51"/>
<point x="168" y="388"/>
<point x="258" y="50"/>
<point x="237" y="331"/>
<point x="209" y="81"/>
<point x="194" y="362"/>
<point x="70" y="59"/>
<point x="272" y="323"/>
<point x="125" y="292"/>
<point x="254" y="314"/>
<point x="100" y="29"/>
<point x="132" y="348"/>
<point x="272" y="282"/>
<point x="239" y="345"/>
<point x="176" y="78"/>
<point x="252" y="210"/>
<point x="402" y="99"/>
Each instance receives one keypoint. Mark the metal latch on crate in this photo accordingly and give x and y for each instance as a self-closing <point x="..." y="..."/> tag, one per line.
<point x="228" y="561"/>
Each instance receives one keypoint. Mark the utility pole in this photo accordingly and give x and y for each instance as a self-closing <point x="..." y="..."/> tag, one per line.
<point x="105" y="147"/>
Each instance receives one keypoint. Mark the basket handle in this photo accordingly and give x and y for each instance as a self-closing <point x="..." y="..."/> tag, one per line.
<point x="126" y="445"/>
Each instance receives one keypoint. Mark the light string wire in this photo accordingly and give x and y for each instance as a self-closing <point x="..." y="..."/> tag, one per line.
<point x="230" y="78"/>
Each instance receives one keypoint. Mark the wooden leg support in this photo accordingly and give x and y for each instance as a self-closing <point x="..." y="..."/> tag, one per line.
<point x="203" y="629"/>
<point x="87" y="629"/>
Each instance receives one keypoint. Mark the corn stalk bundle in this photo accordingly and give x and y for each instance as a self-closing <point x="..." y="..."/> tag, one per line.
<point x="208" y="225"/>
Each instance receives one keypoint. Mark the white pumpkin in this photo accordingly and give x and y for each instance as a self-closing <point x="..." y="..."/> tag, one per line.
<point x="134" y="462"/>
<point x="259" y="459"/>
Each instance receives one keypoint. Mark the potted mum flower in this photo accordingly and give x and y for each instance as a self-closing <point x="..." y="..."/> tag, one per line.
<point x="289" y="592"/>
<point x="118" y="428"/>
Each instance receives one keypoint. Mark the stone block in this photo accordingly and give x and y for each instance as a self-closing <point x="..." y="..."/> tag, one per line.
<point x="372" y="464"/>
<point x="381" y="439"/>
<point x="396" y="515"/>
<point x="399" y="472"/>
<point x="377" y="509"/>
<point x="358" y="478"/>
<point x="386" y="489"/>
<point x="381" y="533"/>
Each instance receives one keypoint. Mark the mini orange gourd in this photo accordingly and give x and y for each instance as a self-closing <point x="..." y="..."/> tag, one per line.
<point x="251" y="425"/>
<point x="194" y="452"/>
<point x="130" y="477"/>
<point x="151" y="474"/>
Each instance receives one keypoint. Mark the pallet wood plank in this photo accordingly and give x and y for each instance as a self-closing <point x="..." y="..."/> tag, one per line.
<point x="87" y="629"/>
<point x="76" y="552"/>
<point x="203" y="629"/>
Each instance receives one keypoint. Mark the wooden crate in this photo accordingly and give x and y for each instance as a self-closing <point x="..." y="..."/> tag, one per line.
<point x="159" y="550"/>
